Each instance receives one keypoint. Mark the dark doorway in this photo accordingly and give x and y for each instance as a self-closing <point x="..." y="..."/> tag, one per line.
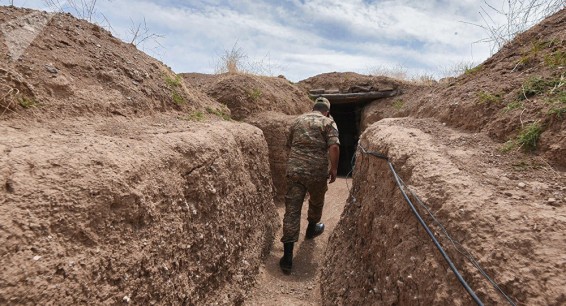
<point x="347" y="118"/>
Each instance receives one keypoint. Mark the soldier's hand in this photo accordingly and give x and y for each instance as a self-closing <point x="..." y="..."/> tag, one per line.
<point x="332" y="176"/>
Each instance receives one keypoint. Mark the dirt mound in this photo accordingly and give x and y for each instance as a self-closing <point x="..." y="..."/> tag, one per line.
<point x="246" y="94"/>
<point x="519" y="89"/>
<point x="345" y="81"/>
<point x="266" y="102"/>
<point x="509" y="219"/>
<point x="55" y="65"/>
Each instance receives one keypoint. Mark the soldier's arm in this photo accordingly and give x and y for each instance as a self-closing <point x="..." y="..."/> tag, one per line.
<point x="333" y="150"/>
<point x="334" y="153"/>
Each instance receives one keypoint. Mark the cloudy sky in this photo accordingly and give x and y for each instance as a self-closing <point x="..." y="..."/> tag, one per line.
<point x="301" y="38"/>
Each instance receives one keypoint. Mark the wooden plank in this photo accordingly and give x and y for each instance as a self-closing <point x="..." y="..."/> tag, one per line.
<point x="357" y="97"/>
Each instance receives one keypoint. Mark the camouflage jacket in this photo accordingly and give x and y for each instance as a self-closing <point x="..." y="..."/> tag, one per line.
<point x="309" y="138"/>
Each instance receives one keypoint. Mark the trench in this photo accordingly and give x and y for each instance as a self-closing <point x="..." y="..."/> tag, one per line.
<point x="302" y="287"/>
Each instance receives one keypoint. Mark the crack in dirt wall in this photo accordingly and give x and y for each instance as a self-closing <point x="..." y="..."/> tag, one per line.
<point x="146" y="211"/>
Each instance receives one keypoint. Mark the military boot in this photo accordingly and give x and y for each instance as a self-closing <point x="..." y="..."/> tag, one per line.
<point x="286" y="262"/>
<point x="314" y="229"/>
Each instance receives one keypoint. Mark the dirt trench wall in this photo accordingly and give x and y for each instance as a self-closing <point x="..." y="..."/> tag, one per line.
<point x="165" y="212"/>
<point x="379" y="254"/>
<point x="275" y="127"/>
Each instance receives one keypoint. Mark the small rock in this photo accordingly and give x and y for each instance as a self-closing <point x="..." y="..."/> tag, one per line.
<point x="36" y="258"/>
<point x="98" y="45"/>
<point x="521" y="185"/>
<point x="552" y="202"/>
<point x="51" y="69"/>
<point x="126" y="299"/>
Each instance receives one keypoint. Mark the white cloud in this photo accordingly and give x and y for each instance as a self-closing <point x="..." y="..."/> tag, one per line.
<point x="306" y="37"/>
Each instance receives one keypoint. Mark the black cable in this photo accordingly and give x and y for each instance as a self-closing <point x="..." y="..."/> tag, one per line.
<point x="427" y="229"/>
<point x="460" y="248"/>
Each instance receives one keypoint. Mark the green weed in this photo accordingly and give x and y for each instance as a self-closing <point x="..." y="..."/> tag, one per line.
<point x="508" y="146"/>
<point x="526" y="165"/>
<point x="177" y="98"/>
<point x="218" y="112"/>
<point x="528" y="137"/>
<point x="514" y="105"/>
<point x="174" y="81"/>
<point x="555" y="59"/>
<point x="536" y="86"/>
<point x="559" y="112"/>
<point x="27" y="102"/>
<point x="487" y="97"/>
<point x="195" y="116"/>
<point x="473" y="70"/>
<point x="254" y="94"/>
<point x="398" y="104"/>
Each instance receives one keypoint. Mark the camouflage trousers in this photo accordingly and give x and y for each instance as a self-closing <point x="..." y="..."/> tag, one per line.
<point x="297" y="187"/>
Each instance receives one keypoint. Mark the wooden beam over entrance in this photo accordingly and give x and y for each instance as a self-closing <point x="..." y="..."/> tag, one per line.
<point x="355" y="97"/>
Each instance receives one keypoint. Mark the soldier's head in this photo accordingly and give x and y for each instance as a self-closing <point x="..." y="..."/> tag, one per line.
<point x="322" y="105"/>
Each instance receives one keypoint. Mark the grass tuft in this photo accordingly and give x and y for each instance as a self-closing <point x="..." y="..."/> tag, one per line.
<point x="528" y="137"/>
<point x="398" y="104"/>
<point x="254" y="94"/>
<point x="473" y="70"/>
<point x="487" y="97"/>
<point x="555" y="59"/>
<point x="195" y="116"/>
<point x="218" y="112"/>
<point x="174" y="81"/>
<point x="27" y="102"/>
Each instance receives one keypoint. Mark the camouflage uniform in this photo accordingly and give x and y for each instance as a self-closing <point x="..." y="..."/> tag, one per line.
<point x="307" y="169"/>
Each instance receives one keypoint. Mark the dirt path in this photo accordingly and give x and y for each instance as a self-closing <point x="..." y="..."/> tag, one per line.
<point x="302" y="286"/>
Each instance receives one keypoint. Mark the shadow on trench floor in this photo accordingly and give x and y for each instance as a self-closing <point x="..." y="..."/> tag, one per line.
<point x="302" y="286"/>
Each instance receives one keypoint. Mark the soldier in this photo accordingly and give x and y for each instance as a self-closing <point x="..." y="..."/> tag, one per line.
<point x="313" y="138"/>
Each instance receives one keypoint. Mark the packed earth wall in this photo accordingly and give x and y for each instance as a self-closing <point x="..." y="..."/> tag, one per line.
<point x="380" y="254"/>
<point x="275" y="127"/>
<point x="132" y="210"/>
